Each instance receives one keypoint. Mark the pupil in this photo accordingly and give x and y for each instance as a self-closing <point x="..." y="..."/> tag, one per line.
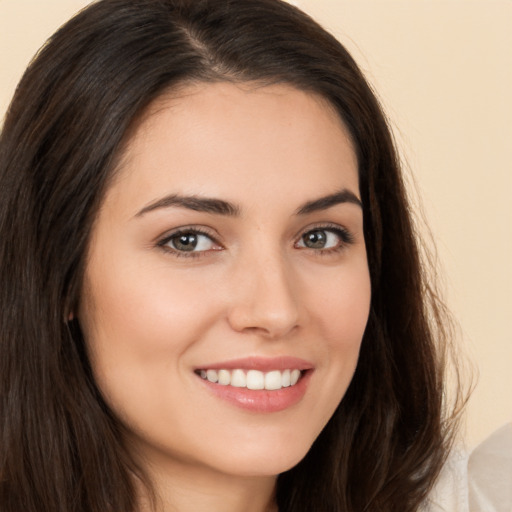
<point x="315" y="239"/>
<point x="186" y="242"/>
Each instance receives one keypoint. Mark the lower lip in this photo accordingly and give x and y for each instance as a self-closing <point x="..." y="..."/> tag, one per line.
<point x="261" y="400"/>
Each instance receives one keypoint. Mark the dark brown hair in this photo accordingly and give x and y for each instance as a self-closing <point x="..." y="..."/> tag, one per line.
<point x="60" y="445"/>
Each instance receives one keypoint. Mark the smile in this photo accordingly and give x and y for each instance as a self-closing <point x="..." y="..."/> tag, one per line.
<point x="252" y="379"/>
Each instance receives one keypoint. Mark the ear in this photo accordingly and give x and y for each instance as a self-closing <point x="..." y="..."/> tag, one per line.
<point x="69" y="310"/>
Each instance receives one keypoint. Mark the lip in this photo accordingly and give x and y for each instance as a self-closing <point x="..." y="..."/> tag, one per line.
<point x="263" y="364"/>
<point x="261" y="401"/>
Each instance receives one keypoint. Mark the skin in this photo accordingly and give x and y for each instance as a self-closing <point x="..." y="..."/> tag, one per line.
<point x="152" y="315"/>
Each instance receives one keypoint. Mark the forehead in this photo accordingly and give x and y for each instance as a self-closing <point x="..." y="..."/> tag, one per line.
<point x="237" y="141"/>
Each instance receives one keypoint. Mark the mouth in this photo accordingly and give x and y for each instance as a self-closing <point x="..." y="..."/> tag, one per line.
<point x="258" y="384"/>
<point x="272" y="380"/>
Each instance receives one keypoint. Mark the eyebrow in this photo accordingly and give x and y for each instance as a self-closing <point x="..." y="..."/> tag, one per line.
<point x="324" y="203"/>
<point x="221" y="207"/>
<point x="198" y="204"/>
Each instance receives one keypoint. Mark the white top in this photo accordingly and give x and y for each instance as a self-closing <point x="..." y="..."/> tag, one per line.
<point x="480" y="481"/>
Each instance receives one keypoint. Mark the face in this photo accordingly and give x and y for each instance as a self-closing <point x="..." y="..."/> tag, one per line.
<point x="227" y="287"/>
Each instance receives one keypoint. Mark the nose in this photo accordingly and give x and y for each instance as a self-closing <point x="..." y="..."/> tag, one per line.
<point x="264" y="298"/>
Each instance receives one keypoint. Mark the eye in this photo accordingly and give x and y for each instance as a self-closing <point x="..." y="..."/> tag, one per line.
<point x="189" y="241"/>
<point x="325" y="239"/>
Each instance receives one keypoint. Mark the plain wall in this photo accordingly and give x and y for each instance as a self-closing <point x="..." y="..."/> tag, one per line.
<point x="443" y="71"/>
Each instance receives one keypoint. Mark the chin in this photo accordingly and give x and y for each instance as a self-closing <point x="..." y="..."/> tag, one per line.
<point x="264" y="460"/>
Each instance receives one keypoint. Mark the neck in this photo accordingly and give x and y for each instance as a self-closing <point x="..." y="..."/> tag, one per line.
<point x="185" y="490"/>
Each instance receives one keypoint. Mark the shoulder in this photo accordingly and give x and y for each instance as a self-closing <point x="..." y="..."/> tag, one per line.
<point x="476" y="481"/>
<point x="490" y="473"/>
<point x="450" y="493"/>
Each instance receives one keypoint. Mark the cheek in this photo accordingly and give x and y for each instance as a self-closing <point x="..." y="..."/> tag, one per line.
<point x="341" y="306"/>
<point x="137" y="323"/>
<point x="143" y="307"/>
<point x="341" y="311"/>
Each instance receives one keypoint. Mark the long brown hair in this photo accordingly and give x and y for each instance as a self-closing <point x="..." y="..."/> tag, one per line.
<point x="61" y="447"/>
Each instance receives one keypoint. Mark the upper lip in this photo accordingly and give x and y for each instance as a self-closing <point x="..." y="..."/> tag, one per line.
<point x="263" y="364"/>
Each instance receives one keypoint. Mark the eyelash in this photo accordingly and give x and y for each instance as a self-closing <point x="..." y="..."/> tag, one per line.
<point x="346" y="238"/>
<point x="192" y="230"/>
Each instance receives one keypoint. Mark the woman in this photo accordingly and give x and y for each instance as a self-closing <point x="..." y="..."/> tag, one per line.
<point x="212" y="296"/>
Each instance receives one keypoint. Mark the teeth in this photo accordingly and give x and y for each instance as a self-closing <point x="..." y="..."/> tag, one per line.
<point x="212" y="376"/>
<point x="238" y="379"/>
<point x="224" y="377"/>
<point x="286" y="378"/>
<point x="253" y="379"/>
<point x="273" y="380"/>
<point x="294" y="377"/>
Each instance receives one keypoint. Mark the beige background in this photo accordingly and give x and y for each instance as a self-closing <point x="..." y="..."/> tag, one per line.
<point x="443" y="70"/>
